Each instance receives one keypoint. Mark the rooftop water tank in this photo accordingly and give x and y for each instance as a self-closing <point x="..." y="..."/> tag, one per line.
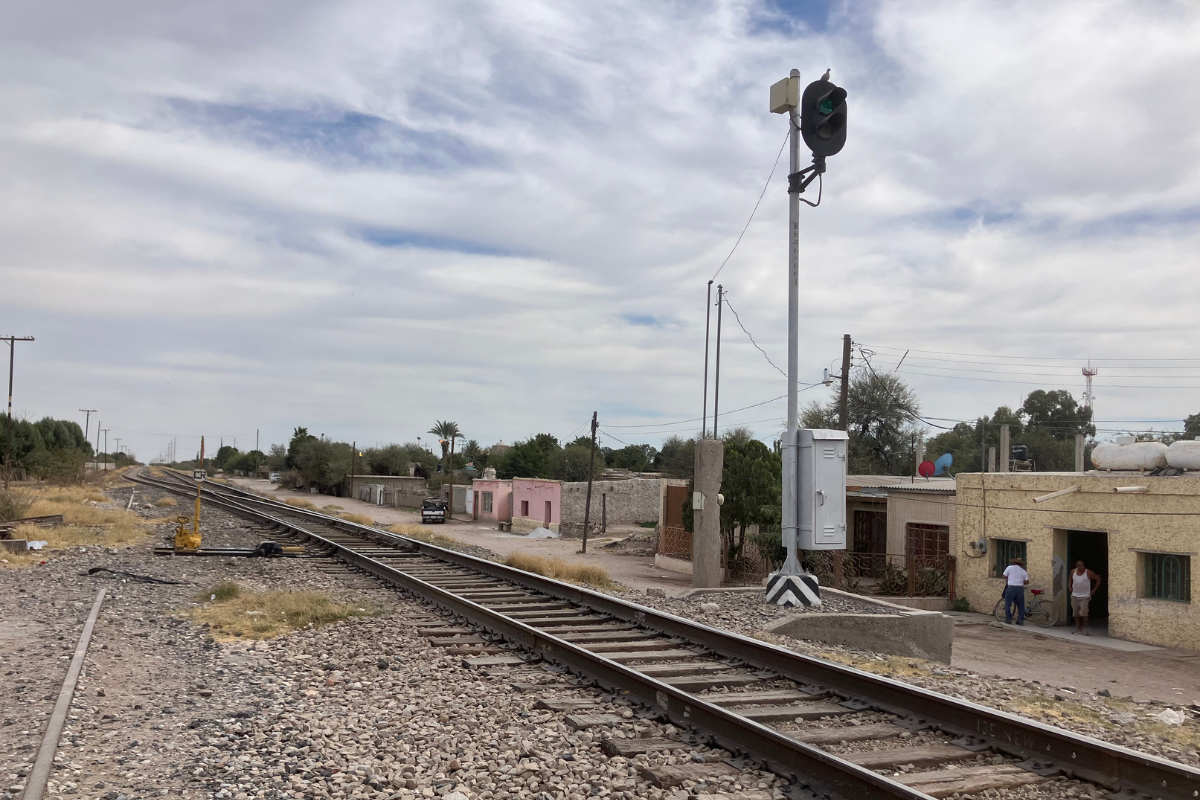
<point x="1130" y="455"/>
<point x="1184" y="454"/>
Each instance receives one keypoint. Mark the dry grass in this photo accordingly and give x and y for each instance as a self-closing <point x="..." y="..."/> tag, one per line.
<point x="423" y="534"/>
<point x="233" y="613"/>
<point x="558" y="569"/>
<point x="300" y="502"/>
<point x="84" y="524"/>
<point x="155" y="472"/>
<point x="15" y="504"/>
<point x="166" y="502"/>
<point x="358" y="519"/>
<point x="332" y="509"/>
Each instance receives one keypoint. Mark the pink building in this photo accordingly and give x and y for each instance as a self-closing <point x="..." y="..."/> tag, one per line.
<point x="536" y="503"/>
<point x="492" y="500"/>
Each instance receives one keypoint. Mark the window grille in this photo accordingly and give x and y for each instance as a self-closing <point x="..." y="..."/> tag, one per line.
<point x="1168" y="576"/>
<point x="1006" y="550"/>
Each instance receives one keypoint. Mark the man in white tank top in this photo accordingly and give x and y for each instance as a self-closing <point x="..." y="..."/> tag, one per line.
<point x="1084" y="584"/>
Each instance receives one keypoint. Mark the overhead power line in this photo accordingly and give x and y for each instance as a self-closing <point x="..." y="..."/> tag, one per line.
<point x="1068" y="359"/>
<point x="755" y="211"/>
<point x="751" y="337"/>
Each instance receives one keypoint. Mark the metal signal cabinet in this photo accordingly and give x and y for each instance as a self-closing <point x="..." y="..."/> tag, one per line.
<point x="822" y="489"/>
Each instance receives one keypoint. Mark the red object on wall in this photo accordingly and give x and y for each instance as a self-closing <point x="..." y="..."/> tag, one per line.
<point x="927" y="468"/>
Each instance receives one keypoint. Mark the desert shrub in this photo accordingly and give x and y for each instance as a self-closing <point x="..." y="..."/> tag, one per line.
<point x="15" y="504"/>
<point x="558" y="569"/>
<point x="166" y="501"/>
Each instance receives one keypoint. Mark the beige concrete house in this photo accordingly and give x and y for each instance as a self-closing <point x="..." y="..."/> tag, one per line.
<point x="1138" y="531"/>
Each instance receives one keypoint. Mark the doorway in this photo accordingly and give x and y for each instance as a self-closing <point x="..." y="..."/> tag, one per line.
<point x="870" y="541"/>
<point x="548" y="508"/>
<point x="1091" y="547"/>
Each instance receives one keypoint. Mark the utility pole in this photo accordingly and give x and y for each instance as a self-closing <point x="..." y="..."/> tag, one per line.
<point x="707" y="319"/>
<point x="87" y="420"/>
<point x="353" y="450"/>
<point x="106" y="430"/>
<point x="256" y="452"/>
<point x="587" y="504"/>
<point x="983" y="445"/>
<point x="844" y="394"/>
<point x="12" y="351"/>
<point x="118" y="440"/>
<point x="717" y="382"/>
<point x="96" y="455"/>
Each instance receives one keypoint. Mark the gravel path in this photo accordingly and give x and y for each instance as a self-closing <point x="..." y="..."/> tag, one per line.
<point x="746" y="613"/>
<point x="366" y="708"/>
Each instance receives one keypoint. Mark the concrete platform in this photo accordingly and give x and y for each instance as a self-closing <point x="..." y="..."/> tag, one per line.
<point x="1099" y="637"/>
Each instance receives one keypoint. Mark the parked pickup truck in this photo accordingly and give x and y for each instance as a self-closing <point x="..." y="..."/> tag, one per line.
<point x="433" y="510"/>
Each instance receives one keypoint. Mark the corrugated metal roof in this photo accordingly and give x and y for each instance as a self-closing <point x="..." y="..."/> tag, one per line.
<point x="899" y="483"/>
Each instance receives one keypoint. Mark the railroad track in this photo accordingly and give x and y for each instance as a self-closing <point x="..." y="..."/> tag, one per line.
<point x="774" y="707"/>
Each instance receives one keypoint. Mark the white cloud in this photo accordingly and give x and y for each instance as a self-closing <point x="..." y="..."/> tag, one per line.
<point x="1019" y="179"/>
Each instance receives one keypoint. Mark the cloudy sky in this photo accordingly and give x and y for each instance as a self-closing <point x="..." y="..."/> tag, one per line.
<point x="362" y="217"/>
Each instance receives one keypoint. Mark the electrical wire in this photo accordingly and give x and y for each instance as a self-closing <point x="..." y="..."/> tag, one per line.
<point x="751" y="337"/>
<point x="1020" y="358"/>
<point x="697" y="419"/>
<point x="761" y="195"/>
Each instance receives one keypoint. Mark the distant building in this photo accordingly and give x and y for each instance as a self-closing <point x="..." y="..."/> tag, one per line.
<point x="537" y="503"/>
<point x="491" y="500"/>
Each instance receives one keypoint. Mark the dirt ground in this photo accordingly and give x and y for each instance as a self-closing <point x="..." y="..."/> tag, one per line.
<point x="636" y="572"/>
<point x="1168" y="676"/>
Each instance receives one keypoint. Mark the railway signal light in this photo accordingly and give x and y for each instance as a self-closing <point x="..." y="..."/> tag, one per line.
<point x="823" y="118"/>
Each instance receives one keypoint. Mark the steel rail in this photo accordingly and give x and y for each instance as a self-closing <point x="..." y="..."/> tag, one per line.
<point x="807" y="766"/>
<point x="39" y="776"/>
<point x="1043" y="747"/>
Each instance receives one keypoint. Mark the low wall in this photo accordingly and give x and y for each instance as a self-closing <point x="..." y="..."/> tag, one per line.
<point x="529" y="525"/>
<point x="629" y="502"/>
<point x="672" y="564"/>
<point x="918" y="634"/>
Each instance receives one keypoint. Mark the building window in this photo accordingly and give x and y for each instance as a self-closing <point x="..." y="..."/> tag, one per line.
<point x="1168" y="576"/>
<point x="487" y="501"/>
<point x="926" y="541"/>
<point x="1006" y="550"/>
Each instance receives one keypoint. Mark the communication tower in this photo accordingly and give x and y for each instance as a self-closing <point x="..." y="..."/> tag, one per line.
<point x="1089" y="372"/>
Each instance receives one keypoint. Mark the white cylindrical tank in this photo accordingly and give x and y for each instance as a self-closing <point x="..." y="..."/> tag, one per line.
<point x="1184" y="454"/>
<point x="1130" y="456"/>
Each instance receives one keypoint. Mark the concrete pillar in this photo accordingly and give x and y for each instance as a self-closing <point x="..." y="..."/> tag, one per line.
<point x="706" y="540"/>
<point x="1079" y="452"/>
<point x="1005" y="448"/>
<point x="991" y="459"/>
<point x="918" y="455"/>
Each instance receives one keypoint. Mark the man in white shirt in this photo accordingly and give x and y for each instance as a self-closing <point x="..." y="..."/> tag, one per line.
<point x="1084" y="584"/>
<point x="1014" y="591"/>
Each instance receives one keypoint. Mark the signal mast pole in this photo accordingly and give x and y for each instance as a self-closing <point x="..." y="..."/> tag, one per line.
<point x="791" y="444"/>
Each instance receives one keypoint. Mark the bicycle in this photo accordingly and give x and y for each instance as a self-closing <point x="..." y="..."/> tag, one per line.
<point x="1044" y="613"/>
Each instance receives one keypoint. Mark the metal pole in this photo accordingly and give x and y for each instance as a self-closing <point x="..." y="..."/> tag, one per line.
<point x="791" y="445"/>
<point x="844" y="394"/>
<point x="12" y="352"/>
<point x="587" y="504"/>
<point x="353" y="451"/>
<point x="717" y="381"/>
<point x="707" y="320"/>
<point x="96" y="457"/>
<point x="8" y="453"/>
<point x="106" y="430"/>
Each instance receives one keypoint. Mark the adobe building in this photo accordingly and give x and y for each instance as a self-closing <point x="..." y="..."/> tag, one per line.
<point x="536" y="503"/>
<point x="1138" y="529"/>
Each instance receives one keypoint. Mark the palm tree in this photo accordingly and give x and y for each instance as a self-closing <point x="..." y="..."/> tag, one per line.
<point x="447" y="432"/>
<point x="472" y="451"/>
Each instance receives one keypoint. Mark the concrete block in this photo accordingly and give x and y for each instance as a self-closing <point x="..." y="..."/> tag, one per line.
<point x="920" y="634"/>
<point x="672" y="564"/>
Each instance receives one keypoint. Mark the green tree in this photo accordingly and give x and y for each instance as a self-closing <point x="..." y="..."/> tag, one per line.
<point x="1191" y="427"/>
<point x="751" y="482"/>
<point x="1057" y="412"/>
<point x="531" y="458"/>
<point x="571" y="462"/>
<point x="474" y="454"/>
<point x="677" y="457"/>
<point x="633" y="457"/>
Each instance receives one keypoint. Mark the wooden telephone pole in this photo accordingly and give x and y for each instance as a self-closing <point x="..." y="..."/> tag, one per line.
<point x="587" y="504"/>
